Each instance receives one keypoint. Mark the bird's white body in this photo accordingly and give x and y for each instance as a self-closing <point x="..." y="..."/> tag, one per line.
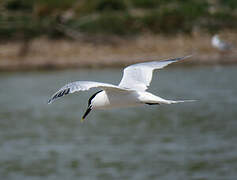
<point x="130" y="92"/>
<point x="107" y="100"/>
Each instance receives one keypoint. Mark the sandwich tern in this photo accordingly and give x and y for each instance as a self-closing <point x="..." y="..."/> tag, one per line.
<point x="130" y="92"/>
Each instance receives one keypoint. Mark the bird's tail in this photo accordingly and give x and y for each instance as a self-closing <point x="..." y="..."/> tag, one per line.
<point x="181" y="101"/>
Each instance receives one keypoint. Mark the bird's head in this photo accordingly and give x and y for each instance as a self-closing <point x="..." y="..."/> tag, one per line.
<point x="88" y="110"/>
<point x="90" y="106"/>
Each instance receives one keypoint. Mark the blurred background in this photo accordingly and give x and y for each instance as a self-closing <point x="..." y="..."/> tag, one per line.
<point x="86" y="33"/>
<point x="45" y="44"/>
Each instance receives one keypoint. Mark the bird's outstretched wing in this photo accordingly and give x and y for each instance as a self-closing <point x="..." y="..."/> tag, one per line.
<point x="83" y="86"/>
<point x="138" y="76"/>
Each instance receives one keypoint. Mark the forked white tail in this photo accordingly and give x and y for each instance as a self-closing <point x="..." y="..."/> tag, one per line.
<point x="181" y="101"/>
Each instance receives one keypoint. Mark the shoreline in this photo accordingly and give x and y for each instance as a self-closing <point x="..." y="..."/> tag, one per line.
<point x="46" y="54"/>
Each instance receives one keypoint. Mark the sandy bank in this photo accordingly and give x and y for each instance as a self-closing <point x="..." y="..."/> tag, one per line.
<point x="44" y="54"/>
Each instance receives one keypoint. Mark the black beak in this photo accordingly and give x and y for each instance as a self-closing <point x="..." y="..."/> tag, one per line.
<point x="87" y="112"/>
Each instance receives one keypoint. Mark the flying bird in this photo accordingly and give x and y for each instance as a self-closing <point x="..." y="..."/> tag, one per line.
<point x="220" y="44"/>
<point x="131" y="91"/>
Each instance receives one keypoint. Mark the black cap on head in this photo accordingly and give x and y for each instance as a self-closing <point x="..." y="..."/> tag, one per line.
<point x="89" y="107"/>
<point x="90" y="99"/>
<point x="87" y="112"/>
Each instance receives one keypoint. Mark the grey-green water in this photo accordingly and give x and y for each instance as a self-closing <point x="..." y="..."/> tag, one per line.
<point x="184" y="141"/>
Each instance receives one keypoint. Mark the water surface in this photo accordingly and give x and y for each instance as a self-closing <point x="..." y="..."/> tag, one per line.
<point x="182" y="141"/>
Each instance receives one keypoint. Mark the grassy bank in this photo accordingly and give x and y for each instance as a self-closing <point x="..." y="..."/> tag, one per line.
<point x="27" y="19"/>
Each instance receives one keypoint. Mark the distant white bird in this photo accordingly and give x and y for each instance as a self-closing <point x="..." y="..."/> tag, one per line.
<point x="130" y="92"/>
<point x="221" y="45"/>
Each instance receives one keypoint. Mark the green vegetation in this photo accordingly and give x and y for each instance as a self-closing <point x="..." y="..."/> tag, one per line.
<point x="29" y="18"/>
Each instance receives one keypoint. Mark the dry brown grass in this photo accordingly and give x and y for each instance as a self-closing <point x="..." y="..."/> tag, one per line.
<point x="44" y="53"/>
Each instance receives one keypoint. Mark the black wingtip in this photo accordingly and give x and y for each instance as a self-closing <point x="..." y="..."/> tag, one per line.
<point x="184" y="57"/>
<point x="188" y="56"/>
<point x="178" y="58"/>
<point x="49" y="101"/>
<point x="59" y="94"/>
